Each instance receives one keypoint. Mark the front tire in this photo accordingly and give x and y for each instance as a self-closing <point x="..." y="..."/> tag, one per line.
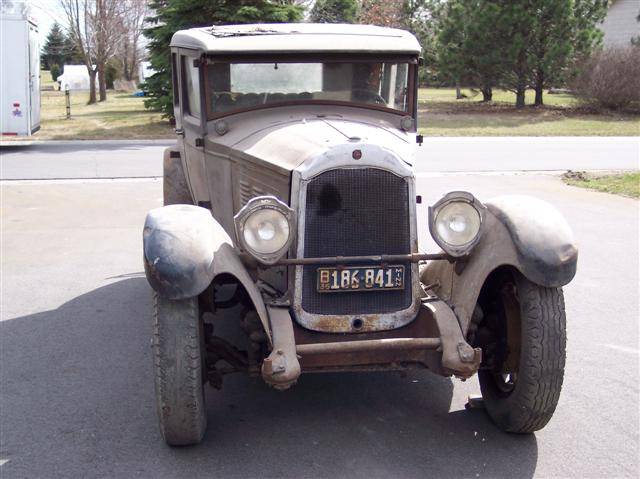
<point x="179" y="372"/>
<point x="525" y="359"/>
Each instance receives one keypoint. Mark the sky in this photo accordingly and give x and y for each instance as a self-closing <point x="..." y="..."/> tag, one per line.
<point x="46" y="12"/>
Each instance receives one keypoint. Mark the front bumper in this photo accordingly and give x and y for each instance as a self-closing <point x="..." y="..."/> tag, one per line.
<point x="433" y="340"/>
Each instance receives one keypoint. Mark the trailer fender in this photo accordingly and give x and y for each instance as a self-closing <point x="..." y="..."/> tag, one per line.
<point x="519" y="231"/>
<point x="185" y="249"/>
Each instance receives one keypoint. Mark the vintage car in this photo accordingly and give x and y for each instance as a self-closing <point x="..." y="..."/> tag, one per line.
<point x="290" y="211"/>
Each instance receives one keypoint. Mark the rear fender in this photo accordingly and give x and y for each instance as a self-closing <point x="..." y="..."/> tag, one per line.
<point x="519" y="231"/>
<point x="185" y="249"/>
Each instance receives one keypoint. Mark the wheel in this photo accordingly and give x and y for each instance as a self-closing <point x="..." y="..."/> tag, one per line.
<point x="174" y="182"/>
<point x="523" y="336"/>
<point x="179" y="370"/>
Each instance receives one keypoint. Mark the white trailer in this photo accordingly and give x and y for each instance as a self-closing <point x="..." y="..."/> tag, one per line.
<point x="19" y="70"/>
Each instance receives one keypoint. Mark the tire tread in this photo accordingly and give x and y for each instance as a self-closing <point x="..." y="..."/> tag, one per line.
<point x="530" y="406"/>
<point x="178" y="370"/>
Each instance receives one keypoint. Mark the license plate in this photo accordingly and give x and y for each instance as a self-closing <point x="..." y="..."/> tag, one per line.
<point x="358" y="278"/>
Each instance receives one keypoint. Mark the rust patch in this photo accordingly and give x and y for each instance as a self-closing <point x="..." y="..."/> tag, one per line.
<point x="334" y="323"/>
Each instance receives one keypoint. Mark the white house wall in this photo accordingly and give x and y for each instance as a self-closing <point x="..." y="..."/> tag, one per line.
<point x="620" y="25"/>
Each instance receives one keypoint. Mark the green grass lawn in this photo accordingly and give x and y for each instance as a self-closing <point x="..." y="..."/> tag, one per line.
<point x="626" y="184"/>
<point x="440" y="114"/>
<point x="122" y="116"/>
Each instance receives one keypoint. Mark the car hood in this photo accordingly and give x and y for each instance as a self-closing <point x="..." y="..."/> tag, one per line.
<point x="286" y="143"/>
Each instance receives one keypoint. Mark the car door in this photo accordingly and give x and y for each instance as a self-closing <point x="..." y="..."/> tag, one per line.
<point x="192" y="125"/>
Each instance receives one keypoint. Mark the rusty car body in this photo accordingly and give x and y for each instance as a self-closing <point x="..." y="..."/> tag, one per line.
<point x="290" y="210"/>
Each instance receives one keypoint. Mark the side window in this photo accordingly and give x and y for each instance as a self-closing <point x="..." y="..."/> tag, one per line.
<point x="174" y="79"/>
<point x="190" y="87"/>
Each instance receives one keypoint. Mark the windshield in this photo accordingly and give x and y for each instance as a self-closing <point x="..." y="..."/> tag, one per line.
<point x="240" y="86"/>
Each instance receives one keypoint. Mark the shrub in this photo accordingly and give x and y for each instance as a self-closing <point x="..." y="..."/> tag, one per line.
<point x="55" y="71"/>
<point x="611" y="77"/>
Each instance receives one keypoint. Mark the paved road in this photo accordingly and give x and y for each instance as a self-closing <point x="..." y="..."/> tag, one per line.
<point x="76" y="391"/>
<point x="82" y="160"/>
<point x="130" y="159"/>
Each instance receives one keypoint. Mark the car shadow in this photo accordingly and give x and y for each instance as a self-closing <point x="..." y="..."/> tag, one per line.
<point x="77" y="400"/>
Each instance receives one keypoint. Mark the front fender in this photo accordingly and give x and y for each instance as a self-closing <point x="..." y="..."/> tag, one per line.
<point x="547" y="252"/>
<point x="185" y="248"/>
<point x="519" y="231"/>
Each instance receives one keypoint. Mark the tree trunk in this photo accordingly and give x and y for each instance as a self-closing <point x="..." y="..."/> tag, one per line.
<point x="92" y="85"/>
<point x="458" y="92"/>
<point x="102" y="82"/>
<point x="539" y="87"/>
<point x="487" y="94"/>
<point x="520" y="91"/>
<point x="125" y="61"/>
<point x="134" y="61"/>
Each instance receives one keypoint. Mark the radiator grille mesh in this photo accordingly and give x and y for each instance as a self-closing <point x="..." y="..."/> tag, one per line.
<point x="353" y="212"/>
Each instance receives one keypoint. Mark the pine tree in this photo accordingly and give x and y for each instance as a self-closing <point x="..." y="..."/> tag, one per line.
<point x="72" y="55"/>
<point x="54" y="51"/>
<point x="334" y="11"/>
<point x="469" y="47"/>
<point x="565" y="30"/>
<point x="173" y="15"/>
<point x="515" y="24"/>
<point x="516" y="44"/>
<point x="451" y="56"/>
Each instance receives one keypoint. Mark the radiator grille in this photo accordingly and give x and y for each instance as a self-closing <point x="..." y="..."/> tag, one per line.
<point x="353" y="212"/>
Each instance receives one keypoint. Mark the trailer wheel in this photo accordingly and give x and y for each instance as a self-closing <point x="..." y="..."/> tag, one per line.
<point x="524" y="344"/>
<point x="174" y="182"/>
<point x="179" y="370"/>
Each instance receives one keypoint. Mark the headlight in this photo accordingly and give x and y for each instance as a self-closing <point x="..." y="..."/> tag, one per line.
<point x="456" y="221"/>
<point x="264" y="228"/>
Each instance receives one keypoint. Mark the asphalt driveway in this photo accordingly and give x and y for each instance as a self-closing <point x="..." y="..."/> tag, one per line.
<point x="76" y="395"/>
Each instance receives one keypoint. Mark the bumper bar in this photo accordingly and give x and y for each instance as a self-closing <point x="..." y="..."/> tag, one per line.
<point x="281" y="368"/>
<point x="372" y="345"/>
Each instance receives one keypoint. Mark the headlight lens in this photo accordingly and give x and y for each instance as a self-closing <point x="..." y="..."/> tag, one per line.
<point x="264" y="228"/>
<point x="456" y="221"/>
<point x="266" y="231"/>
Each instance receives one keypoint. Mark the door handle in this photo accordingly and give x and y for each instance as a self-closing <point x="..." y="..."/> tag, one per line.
<point x="179" y="131"/>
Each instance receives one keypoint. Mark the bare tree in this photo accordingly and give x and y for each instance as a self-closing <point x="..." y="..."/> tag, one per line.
<point x="107" y="20"/>
<point x="133" y="23"/>
<point x="386" y="13"/>
<point x="81" y="31"/>
<point x="96" y="27"/>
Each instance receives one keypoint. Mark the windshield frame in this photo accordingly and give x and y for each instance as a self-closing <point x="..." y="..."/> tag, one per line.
<point x="410" y="59"/>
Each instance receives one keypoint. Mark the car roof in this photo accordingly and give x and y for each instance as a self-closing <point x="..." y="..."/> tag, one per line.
<point x="297" y="38"/>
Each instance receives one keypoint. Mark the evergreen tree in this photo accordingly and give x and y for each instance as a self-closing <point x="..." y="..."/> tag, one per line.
<point x="451" y="56"/>
<point x="515" y="24"/>
<point x="469" y="45"/>
<point x="565" y="30"/>
<point x="54" y="51"/>
<point x="334" y="11"/>
<point x="173" y="15"/>
<point x="516" y="44"/>
<point x="422" y="18"/>
<point x="72" y="54"/>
